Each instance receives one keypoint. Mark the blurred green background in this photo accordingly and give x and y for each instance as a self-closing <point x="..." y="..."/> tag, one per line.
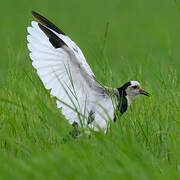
<point x="143" y="32"/>
<point x="122" y="40"/>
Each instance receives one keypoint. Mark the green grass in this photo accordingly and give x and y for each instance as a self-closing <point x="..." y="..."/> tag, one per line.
<point x="142" y="43"/>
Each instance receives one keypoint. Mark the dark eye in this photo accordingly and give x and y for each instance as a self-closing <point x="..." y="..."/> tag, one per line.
<point x="134" y="87"/>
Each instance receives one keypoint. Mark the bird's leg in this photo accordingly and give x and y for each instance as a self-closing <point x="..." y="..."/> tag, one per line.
<point x="75" y="132"/>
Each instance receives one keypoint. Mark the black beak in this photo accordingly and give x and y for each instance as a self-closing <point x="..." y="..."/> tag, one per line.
<point x="143" y="92"/>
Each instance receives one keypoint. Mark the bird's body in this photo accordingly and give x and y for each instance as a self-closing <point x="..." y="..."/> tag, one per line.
<point x="63" y="69"/>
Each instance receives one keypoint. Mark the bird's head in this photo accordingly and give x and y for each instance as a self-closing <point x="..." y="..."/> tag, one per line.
<point x="133" y="89"/>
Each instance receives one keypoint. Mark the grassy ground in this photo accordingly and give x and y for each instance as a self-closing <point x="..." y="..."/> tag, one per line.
<point x="142" y="43"/>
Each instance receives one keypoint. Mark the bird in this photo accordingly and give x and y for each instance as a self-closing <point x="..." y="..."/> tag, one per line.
<point x="63" y="69"/>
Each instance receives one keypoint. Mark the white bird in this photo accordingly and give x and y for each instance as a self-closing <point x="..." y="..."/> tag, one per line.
<point x="64" y="71"/>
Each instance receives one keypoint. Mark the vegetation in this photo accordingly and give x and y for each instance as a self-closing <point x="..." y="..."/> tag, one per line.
<point x="122" y="41"/>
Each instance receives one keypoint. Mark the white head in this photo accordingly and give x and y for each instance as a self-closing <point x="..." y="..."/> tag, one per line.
<point x="134" y="89"/>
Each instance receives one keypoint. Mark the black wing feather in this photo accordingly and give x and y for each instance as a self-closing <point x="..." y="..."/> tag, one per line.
<point x="47" y="23"/>
<point x="53" y="38"/>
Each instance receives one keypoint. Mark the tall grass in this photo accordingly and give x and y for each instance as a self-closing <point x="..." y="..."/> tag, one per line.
<point x="144" y="143"/>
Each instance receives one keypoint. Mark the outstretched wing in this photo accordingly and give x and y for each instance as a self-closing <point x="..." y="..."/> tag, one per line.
<point x="63" y="69"/>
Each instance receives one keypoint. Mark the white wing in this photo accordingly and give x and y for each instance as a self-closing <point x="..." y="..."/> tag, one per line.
<point x="63" y="69"/>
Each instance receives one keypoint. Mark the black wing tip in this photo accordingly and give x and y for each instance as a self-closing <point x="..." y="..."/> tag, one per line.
<point x="34" y="13"/>
<point x="47" y="23"/>
<point x="38" y="16"/>
<point x="53" y="38"/>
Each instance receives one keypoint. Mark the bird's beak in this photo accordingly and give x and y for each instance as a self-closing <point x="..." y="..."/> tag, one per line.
<point x="141" y="91"/>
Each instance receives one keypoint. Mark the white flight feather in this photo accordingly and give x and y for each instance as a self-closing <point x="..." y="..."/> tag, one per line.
<point x="66" y="72"/>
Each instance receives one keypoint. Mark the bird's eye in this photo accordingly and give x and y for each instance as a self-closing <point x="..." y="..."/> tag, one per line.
<point x="134" y="87"/>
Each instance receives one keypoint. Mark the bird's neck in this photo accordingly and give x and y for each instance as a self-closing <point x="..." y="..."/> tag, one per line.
<point x="124" y="100"/>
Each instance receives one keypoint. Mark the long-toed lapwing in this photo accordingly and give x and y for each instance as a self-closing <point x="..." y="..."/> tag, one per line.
<point x="64" y="71"/>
